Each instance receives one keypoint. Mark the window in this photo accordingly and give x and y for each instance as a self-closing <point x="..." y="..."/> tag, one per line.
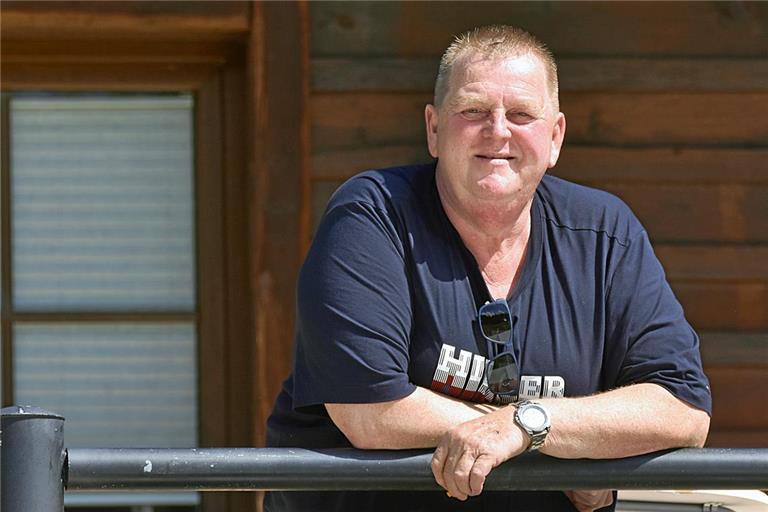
<point x="100" y="269"/>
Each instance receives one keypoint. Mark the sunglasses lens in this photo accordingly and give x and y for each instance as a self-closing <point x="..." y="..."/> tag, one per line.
<point x="503" y="378"/>
<point x="495" y="322"/>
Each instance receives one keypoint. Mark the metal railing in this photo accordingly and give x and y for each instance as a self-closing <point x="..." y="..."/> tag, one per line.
<point x="36" y="468"/>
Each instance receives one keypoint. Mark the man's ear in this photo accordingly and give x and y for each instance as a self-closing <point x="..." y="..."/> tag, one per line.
<point x="430" y="120"/>
<point x="558" y="135"/>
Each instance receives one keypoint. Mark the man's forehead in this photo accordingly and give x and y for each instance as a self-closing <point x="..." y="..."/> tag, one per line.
<point x="472" y="65"/>
<point x="473" y="77"/>
<point x="469" y="76"/>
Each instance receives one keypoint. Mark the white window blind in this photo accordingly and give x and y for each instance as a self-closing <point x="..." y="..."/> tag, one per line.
<point x="117" y="385"/>
<point x="102" y="203"/>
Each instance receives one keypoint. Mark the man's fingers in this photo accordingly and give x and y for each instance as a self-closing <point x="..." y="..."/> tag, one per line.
<point x="438" y="462"/>
<point x="449" y="476"/>
<point x="461" y="472"/>
<point x="483" y="465"/>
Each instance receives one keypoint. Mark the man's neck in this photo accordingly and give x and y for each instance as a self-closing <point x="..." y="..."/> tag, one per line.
<point x="496" y="235"/>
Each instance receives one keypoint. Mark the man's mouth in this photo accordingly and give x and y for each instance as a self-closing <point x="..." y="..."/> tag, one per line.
<point x="495" y="157"/>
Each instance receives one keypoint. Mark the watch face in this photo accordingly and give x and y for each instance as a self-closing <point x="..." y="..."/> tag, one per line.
<point x="534" y="417"/>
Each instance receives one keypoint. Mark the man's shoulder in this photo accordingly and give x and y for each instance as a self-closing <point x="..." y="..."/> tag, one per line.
<point x="577" y="207"/>
<point x="381" y="188"/>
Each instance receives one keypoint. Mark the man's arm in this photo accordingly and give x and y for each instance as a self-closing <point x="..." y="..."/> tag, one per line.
<point x="627" y="421"/>
<point x="418" y="420"/>
<point x="636" y="419"/>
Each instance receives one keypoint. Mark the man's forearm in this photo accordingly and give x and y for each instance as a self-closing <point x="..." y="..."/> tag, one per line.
<point x="623" y="422"/>
<point x="418" y="420"/>
<point x="629" y="421"/>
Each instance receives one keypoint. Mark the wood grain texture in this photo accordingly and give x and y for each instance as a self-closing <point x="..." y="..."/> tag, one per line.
<point x="743" y="263"/>
<point x="341" y="164"/>
<point x="104" y="77"/>
<point x="575" y="74"/>
<point x="696" y="165"/>
<point x="738" y="397"/>
<point x="278" y="51"/>
<point x="116" y="51"/>
<point x="145" y="19"/>
<point x="741" y="438"/>
<point x="724" y="305"/>
<point x="734" y="348"/>
<point x="367" y="120"/>
<point x="569" y="28"/>
<point x="698" y="213"/>
<point x="666" y="119"/>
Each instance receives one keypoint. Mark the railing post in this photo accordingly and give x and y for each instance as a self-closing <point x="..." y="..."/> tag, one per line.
<point x="32" y="460"/>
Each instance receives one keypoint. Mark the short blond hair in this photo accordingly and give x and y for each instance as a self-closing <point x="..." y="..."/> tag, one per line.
<point x="495" y="42"/>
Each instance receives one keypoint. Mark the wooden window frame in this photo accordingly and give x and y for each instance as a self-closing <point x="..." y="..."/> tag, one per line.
<point x="214" y="74"/>
<point x="248" y="65"/>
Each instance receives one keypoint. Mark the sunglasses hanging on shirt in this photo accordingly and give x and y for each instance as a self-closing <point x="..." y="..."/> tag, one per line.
<point x="502" y="372"/>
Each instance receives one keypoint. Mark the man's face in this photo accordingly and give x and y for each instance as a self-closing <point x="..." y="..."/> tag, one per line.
<point x="497" y="130"/>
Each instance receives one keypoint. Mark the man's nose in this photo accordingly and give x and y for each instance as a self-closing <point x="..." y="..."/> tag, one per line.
<point x="498" y="125"/>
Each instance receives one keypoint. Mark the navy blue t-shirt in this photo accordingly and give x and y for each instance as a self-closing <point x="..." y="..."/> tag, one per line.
<point x="388" y="299"/>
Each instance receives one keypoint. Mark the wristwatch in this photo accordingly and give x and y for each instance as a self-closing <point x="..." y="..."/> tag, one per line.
<point x="534" y="419"/>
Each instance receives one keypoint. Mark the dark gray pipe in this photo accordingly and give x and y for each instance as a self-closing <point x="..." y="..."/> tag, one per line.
<point x="32" y="460"/>
<point x="347" y="469"/>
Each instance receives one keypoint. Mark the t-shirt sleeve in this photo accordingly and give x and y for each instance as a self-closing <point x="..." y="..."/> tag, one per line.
<point x="353" y="311"/>
<point x="648" y="336"/>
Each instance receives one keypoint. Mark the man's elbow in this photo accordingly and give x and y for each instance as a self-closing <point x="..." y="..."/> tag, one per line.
<point x="701" y="429"/>
<point x="362" y="438"/>
<point x="359" y="430"/>
<point x="698" y="428"/>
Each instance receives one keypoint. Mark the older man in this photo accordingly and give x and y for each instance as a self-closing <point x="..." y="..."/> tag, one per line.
<point x="480" y="307"/>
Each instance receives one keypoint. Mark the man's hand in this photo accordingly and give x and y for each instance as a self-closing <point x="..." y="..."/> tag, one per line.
<point x="587" y="501"/>
<point x="468" y="452"/>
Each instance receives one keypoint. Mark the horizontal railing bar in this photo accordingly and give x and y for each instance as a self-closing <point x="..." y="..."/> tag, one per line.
<point x="217" y="469"/>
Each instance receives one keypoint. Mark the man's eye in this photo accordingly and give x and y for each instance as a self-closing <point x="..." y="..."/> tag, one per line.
<point x="473" y="113"/>
<point x="520" y="117"/>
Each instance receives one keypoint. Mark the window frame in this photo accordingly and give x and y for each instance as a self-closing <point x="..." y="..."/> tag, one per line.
<point x="214" y="74"/>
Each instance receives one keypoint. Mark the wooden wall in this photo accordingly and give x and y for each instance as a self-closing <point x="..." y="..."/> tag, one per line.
<point x="667" y="107"/>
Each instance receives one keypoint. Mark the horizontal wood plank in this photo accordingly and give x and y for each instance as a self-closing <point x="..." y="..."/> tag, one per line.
<point x="738" y="397"/>
<point x="576" y="74"/>
<point x="372" y="74"/>
<point x="349" y="121"/>
<point x="734" y="348"/>
<point x="724" y="305"/>
<point x="152" y="76"/>
<point x="685" y="119"/>
<point x="321" y="193"/>
<point x="698" y="213"/>
<point x="116" y="51"/>
<point x="714" y="262"/>
<point x="92" y="19"/>
<point x="367" y="120"/>
<point x="588" y="165"/>
<point x="342" y="164"/>
<point x="719" y="438"/>
<point x="701" y="165"/>
<point x="569" y="28"/>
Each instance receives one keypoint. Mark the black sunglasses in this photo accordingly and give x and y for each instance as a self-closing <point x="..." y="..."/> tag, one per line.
<point x="495" y="321"/>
